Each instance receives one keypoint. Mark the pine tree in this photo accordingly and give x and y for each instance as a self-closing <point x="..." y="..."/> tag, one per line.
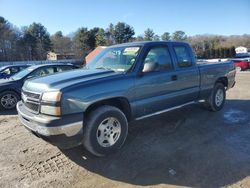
<point x="232" y="51"/>
<point x="179" y="36"/>
<point x="165" y="36"/>
<point x="227" y="52"/>
<point x="222" y="55"/>
<point x="217" y="53"/>
<point x="123" y="32"/>
<point x="149" y="34"/>
<point x="212" y="53"/>
<point x="100" y="37"/>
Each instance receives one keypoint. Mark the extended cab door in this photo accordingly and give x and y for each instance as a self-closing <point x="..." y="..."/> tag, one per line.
<point x="155" y="88"/>
<point x="187" y="73"/>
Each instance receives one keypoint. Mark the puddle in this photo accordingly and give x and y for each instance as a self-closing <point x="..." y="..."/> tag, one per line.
<point x="234" y="116"/>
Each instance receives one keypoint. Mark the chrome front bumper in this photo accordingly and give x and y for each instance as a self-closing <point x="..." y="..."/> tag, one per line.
<point x="49" y="125"/>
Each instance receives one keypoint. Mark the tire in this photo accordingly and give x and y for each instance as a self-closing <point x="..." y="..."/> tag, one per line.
<point x="98" y="137"/>
<point x="217" y="98"/>
<point x="8" y="100"/>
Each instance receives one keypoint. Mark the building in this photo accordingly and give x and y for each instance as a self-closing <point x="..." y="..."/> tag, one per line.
<point x="93" y="53"/>
<point x="242" y="52"/>
<point x="59" y="56"/>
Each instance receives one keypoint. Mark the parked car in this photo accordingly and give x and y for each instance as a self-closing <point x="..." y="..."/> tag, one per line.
<point x="10" y="89"/>
<point x="10" y="70"/>
<point x="241" y="64"/>
<point x="122" y="83"/>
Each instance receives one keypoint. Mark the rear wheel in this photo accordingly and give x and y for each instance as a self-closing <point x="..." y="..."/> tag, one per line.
<point x="105" y="131"/>
<point x="216" y="100"/>
<point x="8" y="100"/>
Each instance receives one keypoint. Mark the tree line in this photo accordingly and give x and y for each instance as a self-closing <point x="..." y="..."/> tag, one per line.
<point x="33" y="42"/>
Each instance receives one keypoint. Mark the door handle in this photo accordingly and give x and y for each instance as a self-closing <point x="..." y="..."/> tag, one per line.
<point x="174" y="77"/>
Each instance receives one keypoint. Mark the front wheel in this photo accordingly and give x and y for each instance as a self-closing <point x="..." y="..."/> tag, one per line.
<point x="217" y="98"/>
<point x="105" y="130"/>
<point x="8" y="100"/>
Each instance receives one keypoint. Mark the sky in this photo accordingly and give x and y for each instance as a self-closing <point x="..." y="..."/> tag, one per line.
<point x="223" y="17"/>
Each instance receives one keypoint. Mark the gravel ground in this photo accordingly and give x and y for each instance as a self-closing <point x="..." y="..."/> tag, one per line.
<point x="188" y="147"/>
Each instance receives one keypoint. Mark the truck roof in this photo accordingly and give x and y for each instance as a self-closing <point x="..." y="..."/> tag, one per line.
<point x="8" y="66"/>
<point x="143" y="43"/>
<point x="48" y="64"/>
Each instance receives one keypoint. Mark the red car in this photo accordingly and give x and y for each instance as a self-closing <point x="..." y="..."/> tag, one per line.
<point x="241" y="65"/>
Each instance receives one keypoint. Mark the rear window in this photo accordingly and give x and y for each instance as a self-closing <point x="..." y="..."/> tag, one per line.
<point x="183" y="56"/>
<point x="21" y="68"/>
<point x="63" y="68"/>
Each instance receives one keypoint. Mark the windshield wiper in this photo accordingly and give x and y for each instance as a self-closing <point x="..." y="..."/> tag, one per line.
<point x="104" y="68"/>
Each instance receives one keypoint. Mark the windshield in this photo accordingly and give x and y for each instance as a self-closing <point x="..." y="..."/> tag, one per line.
<point x="21" y="74"/>
<point x="117" y="59"/>
<point x="2" y="69"/>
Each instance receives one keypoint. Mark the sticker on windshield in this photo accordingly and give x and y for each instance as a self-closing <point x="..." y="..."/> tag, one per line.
<point x="131" y="50"/>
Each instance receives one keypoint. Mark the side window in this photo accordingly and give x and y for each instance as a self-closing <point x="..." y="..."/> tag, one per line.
<point x="43" y="71"/>
<point x="50" y="70"/>
<point x="63" y="68"/>
<point x="21" y="68"/>
<point x="7" y="71"/>
<point x="183" y="56"/>
<point x="14" y="70"/>
<point x="158" y="59"/>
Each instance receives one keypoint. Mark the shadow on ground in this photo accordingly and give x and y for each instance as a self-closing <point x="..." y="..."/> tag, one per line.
<point x="8" y="112"/>
<point x="188" y="147"/>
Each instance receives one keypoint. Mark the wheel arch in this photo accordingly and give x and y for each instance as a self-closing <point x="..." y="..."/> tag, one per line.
<point x="121" y="103"/>
<point x="12" y="90"/>
<point x="223" y="80"/>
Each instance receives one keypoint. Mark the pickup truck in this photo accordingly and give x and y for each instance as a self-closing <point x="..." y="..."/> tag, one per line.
<point x="124" y="82"/>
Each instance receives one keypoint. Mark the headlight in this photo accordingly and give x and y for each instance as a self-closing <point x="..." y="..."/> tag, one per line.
<point x="51" y="110"/>
<point x="54" y="96"/>
<point x="50" y="103"/>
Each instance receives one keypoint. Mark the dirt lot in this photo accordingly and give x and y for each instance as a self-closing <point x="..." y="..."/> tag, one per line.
<point x="187" y="147"/>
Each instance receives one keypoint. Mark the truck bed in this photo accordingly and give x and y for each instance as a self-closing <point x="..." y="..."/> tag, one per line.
<point x="210" y="71"/>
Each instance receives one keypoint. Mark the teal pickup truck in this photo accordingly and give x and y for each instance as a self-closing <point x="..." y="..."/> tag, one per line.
<point x="125" y="82"/>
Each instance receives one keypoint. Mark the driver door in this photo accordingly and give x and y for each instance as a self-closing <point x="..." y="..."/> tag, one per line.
<point x="155" y="89"/>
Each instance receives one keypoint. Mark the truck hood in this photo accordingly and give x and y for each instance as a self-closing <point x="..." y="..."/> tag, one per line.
<point x="62" y="80"/>
<point x="8" y="84"/>
<point x="4" y="82"/>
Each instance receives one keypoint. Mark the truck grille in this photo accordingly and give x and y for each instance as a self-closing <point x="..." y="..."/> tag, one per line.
<point x="31" y="101"/>
<point x="31" y="95"/>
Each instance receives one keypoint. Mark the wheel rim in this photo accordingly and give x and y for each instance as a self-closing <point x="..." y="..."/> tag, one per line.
<point x="108" y="132"/>
<point x="8" y="101"/>
<point x="219" y="97"/>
